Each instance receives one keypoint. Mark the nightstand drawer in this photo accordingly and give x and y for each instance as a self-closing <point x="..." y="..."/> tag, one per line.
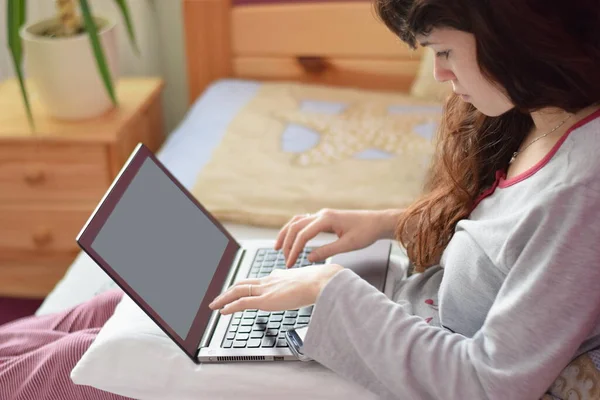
<point x="52" y="172"/>
<point x="41" y="229"/>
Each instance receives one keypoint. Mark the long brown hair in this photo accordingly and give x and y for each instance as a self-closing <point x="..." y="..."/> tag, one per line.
<point x="542" y="53"/>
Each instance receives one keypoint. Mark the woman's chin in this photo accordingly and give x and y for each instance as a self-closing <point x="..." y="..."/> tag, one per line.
<point x="490" y="111"/>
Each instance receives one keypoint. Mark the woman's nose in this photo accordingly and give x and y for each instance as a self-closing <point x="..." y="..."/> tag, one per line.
<point x="442" y="73"/>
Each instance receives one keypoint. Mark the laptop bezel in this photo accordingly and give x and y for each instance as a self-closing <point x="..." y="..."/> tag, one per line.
<point x="98" y="218"/>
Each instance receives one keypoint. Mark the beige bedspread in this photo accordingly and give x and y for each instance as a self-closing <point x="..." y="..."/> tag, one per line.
<point x="369" y="150"/>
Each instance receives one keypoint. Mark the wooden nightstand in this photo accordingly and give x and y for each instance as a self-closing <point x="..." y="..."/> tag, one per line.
<point x="51" y="180"/>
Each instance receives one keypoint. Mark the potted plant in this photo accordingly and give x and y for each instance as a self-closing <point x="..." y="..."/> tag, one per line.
<point x="71" y="59"/>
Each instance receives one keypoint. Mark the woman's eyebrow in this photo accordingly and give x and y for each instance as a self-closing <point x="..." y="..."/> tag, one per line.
<point x="425" y="44"/>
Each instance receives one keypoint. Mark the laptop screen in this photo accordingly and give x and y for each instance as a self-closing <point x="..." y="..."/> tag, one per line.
<point x="158" y="241"/>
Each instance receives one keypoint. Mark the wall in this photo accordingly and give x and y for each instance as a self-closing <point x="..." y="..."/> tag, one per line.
<point x="159" y="32"/>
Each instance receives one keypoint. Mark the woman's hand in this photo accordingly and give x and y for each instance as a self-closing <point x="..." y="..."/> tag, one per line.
<point x="356" y="229"/>
<point x="281" y="290"/>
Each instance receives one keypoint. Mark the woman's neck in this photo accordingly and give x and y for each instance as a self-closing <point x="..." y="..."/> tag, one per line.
<point x="547" y="119"/>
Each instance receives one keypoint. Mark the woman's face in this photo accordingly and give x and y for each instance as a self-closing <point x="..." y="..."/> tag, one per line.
<point x="456" y="61"/>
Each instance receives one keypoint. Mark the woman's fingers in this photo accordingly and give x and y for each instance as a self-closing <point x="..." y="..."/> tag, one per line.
<point x="242" y="304"/>
<point x="240" y="289"/>
<point x="321" y="253"/>
<point x="282" y="234"/>
<point x="290" y="237"/>
<point x="307" y="233"/>
<point x="284" y="231"/>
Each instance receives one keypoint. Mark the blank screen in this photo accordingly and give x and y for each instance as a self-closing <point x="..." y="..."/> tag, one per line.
<point x="163" y="246"/>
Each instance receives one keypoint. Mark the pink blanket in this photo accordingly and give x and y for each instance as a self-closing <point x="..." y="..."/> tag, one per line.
<point x="37" y="354"/>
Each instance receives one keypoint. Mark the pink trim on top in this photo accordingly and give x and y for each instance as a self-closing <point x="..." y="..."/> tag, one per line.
<point x="524" y="175"/>
<point x="488" y="191"/>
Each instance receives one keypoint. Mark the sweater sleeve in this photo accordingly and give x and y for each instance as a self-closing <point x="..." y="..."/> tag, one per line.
<point x="547" y="306"/>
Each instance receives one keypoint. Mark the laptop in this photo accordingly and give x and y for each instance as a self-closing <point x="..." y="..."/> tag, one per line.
<point x="172" y="258"/>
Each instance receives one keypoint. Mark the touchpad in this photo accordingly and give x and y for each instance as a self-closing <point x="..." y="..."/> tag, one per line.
<point x="370" y="263"/>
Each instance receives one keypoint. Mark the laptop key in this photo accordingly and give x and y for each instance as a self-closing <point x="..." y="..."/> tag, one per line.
<point x="281" y="343"/>
<point x="253" y="343"/>
<point x="271" y="332"/>
<point x="242" y="336"/>
<point x="230" y="335"/>
<point x="259" y="327"/>
<point x="238" y="344"/>
<point x="245" y="329"/>
<point x="247" y="322"/>
<point x="273" y="325"/>
<point x="289" y="321"/>
<point x="268" y="342"/>
<point x="249" y="314"/>
<point x="291" y="314"/>
<point x="257" y="334"/>
<point x="303" y="320"/>
<point x="277" y="312"/>
<point x="263" y="314"/>
<point x="305" y="311"/>
<point x="276" y="318"/>
<point x="233" y="328"/>
<point x="227" y="344"/>
<point x="262" y="320"/>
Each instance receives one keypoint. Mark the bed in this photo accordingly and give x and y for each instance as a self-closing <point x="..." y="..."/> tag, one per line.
<point x="231" y="51"/>
<point x="231" y="55"/>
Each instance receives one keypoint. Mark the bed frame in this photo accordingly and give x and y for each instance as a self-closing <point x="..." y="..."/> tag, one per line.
<point x="339" y="43"/>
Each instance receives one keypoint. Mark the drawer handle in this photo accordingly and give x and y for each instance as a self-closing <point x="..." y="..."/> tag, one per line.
<point x="35" y="177"/>
<point x="42" y="236"/>
<point x="313" y="64"/>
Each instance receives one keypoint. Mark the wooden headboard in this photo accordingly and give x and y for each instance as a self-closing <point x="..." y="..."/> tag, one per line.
<point x="337" y="43"/>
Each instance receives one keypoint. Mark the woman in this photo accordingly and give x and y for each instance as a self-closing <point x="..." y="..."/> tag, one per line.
<point x="504" y="241"/>
<point x="506" y="236"/>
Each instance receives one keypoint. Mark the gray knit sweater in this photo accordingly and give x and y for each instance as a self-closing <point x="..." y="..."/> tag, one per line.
<point x="516" y="295"/>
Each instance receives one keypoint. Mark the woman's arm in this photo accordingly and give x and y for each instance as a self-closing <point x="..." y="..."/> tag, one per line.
<point x="389" y="220"/>
<point x="548" y="305"/>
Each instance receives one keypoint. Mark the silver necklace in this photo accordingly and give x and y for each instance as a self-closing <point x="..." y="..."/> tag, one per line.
<point x="516" y="153"/>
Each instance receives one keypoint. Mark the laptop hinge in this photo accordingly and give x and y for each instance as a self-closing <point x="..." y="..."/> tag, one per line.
<point x="214" y="318"/>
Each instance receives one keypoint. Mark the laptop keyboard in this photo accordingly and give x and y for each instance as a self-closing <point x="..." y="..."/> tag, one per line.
<point x="257" y="328"/>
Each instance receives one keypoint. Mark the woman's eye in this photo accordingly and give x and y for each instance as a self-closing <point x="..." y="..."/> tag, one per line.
<point x="445" y="54"/>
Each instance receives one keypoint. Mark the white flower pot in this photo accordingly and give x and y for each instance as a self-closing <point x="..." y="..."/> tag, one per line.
<point x="64" y="70"/>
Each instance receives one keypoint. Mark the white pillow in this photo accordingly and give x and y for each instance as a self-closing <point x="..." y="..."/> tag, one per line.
<point x="132" y="357"/>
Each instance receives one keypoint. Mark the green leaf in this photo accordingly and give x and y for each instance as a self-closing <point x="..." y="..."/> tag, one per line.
<point x="16" y="18"/>
<point x="122" y="4"/>
<point x="92" y="31"/>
